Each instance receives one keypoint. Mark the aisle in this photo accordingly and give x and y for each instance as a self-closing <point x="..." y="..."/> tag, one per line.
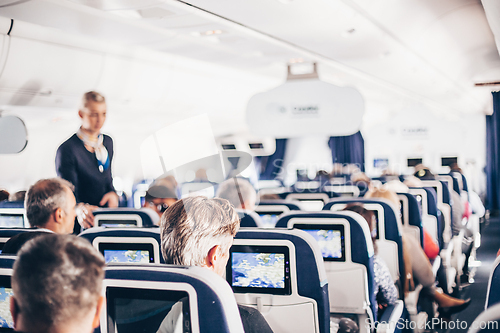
<point x="490" y="243"/>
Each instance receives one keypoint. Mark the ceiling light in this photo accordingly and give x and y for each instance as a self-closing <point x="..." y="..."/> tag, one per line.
<point x="296" y="60"/>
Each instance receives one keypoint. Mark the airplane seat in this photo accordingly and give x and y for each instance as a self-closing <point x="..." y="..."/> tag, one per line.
<point x="310" y="200"/>
<point x="493" y="291"/>
<point x="433" y="222"/>
<point x="249" y="219"/>
<point x="351" y="265"/>
<point x="6" y="266"/>
<point x="126" y="217"/>
<point x="289" y="204"/>
<point x="293" y="295"/>
<point x="198" y="187"/>
<point x="7" y="233"/>
<point x="411" y="217"/>
<point x="343" y="190"/>
<point x="13" y="215"/>
<point x="140" y="297"/>
<point x="389" y="241"/>
<point x="487" y="321"/>
<point x="12" y="204"/>
<point x="131" y="245"/>
<point x="270" y="210"/>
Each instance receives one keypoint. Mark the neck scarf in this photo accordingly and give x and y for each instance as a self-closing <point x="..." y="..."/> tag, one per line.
<point x="100" y="150"/>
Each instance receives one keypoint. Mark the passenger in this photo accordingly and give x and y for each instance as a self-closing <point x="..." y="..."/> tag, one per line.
<point x="4" y="195"/>
<point x="17" y="196"/>
<point x="197" y="231"/>
<point x="85" y="158"/>
<point x="269" y="196"/>
<point x="418" y="265"/>
<point x="161" y="195"/>
<point x="386" y="292"/>
<point x="57" y="285"/>
<point x="50" y="208"/>
<point x="239" y="192"/>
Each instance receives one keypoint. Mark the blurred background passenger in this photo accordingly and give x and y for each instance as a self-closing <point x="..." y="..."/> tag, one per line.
<point x="161" y="195"/>
<point x="18" y="196"/>
<point x="417" y="264"/>
<point x="4" y="195"/>
<point x="385" y="291"/>
<point x="239" y="192"/>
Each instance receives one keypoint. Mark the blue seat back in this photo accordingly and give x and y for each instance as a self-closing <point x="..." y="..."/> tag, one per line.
<point x="270" y="211"/>
<point x="147" y="216"/>
<point x="212" y="307"/>
<point x="311" y="281"/>
<point x="493" y="293"/>
<point x="361" y="247"/>
<point x="391" y="227"/>
<point x="249" y="219"/>
<point x="7" y="233"/>
<point x="288" y="204"/>
<point x="125" y="236"/>
<point x="412" y="210"/>
<point x="11" y="204"/>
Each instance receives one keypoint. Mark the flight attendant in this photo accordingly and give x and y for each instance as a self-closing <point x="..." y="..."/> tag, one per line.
<point x="85" y="159"/>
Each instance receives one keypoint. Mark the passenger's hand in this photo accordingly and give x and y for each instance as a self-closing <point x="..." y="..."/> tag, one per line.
<point x="84" y="215"/>
<point x="111" y="198"/>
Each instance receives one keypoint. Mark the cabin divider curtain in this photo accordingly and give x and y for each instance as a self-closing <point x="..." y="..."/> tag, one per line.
<point x="272" y="165"/>
<point x="492" y="155"/>
<point x="349" y="149"/>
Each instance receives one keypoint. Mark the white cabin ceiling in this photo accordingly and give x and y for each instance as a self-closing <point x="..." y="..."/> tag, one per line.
<point x="429" y="51"/>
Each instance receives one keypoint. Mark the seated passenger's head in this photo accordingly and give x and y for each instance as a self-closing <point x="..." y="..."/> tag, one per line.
<point x="239" y="192"/>
<point x="159" y="198"/>
<point x="383" y="192"/>
<point x="18" y="196"/>
<point x="423" y="172"/>
<point x="57" y="285"/>
<point x="4" y="195"/>
<point x="197" y="231"/>
<point x="369" y="216"/>
<point x="50" y="204"/>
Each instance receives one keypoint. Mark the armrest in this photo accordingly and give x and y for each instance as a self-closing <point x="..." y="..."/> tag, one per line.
<point x="388" y="322"/>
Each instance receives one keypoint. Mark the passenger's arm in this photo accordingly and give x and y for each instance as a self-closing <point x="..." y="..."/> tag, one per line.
<point x="388" y="293"/>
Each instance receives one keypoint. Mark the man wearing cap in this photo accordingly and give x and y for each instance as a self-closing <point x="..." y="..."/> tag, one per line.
<point x="161" y="195"/>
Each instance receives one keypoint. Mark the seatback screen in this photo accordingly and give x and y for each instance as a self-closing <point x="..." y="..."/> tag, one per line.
<point x="6" y="322"/>
<point x="117" y="223"/>
<point x="259" y="269"/>
<point x="134" y="310"/>
<point x="312" y="205"/>
<point x="11" y="220"/>
<point x="127" y="252"/>
<point x="269" y="219"/>
<point x="330" y="239"/>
